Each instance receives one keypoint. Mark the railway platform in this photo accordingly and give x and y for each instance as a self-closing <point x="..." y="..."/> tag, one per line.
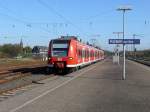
<point x="95" y="88"/>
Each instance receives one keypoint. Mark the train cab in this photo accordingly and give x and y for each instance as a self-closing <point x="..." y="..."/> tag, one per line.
<point x="61" y="53"/>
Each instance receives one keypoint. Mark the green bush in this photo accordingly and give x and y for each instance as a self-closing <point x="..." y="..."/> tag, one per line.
<point x="13" y="50"/>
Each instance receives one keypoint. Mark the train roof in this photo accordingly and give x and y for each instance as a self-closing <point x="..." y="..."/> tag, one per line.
<point x="75" y="38"/>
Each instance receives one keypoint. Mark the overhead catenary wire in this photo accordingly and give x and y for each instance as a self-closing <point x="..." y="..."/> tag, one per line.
<point x="60" y="15"/>
<point x="102" y="14"/>
<point x="17" y="19"/>
<point x="32" y="23"/>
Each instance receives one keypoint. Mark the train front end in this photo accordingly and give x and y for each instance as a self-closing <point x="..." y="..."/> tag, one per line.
<point x="58" y="55"/>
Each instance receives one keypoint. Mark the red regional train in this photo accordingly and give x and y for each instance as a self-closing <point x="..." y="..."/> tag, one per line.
<point x="67" y="53"/>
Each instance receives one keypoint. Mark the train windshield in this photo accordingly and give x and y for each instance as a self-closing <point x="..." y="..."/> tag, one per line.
<point x="60" y="48"/>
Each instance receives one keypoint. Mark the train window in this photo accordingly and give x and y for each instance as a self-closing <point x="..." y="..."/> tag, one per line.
<point x="79" y="53"/>
<point x="60" y="53"/>
<point x="96" y="54"/>
<point x="65" y="45"/>
<point x="87" y="54"/>
<point x="91" y="54"/>
<point x="60" y="48"/>
<point x="83" y="53"/>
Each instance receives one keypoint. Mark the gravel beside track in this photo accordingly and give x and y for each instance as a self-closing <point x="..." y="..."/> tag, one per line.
<point x="27" y="76"/>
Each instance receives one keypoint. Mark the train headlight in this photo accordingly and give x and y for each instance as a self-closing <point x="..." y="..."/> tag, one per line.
<point x="70" y="58"/>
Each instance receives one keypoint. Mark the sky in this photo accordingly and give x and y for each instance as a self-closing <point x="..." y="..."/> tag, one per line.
<point x="39" y="21"/>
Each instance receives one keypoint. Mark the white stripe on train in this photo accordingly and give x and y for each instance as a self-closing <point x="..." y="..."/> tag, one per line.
<point x="76" y="65"/>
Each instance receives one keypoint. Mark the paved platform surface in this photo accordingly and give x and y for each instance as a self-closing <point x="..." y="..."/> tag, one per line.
<point x="96" y="88"/>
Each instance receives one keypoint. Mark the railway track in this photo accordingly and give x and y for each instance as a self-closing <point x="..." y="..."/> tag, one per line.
<point x="144" y="62"/>
<point x="5" y="70"/>
<point x="16" y="81"/>
<point x="11" y="76"/>
<point x="15" y="72"/>
<point x="9" y="93"/>
<point x="17" y="77"/>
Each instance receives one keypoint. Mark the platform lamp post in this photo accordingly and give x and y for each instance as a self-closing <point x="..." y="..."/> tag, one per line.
<point x="124" y="9"/>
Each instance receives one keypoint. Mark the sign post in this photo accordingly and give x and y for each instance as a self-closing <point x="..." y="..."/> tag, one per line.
<point x="124" y="42"/>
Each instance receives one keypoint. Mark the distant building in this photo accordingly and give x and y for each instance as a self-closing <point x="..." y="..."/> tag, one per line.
<point x="40" y="49"/>
<point x="40" y="52"/>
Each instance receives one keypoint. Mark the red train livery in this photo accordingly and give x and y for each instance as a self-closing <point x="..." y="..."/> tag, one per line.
<point x="67" y="52"/>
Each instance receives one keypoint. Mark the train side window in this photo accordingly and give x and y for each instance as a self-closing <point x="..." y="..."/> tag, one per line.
<point x="78" y="52"/>
<point x="85" y="53"/>
<point x="96" y="54"/>
<point x="91" y="54"/>
<point x="81" y="53"/>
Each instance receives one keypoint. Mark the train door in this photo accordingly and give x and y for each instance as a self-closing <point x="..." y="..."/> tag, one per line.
<point x="83" y="55"/>
<point x="94" y="55"/>
<point x="89" y="54"/>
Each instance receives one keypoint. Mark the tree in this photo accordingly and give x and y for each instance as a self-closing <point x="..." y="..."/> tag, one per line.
<point x="11" y="50"/>
<point x="27" y="49"/>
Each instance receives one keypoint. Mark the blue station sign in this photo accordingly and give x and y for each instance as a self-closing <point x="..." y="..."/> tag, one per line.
<point x="124" y="41"/>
